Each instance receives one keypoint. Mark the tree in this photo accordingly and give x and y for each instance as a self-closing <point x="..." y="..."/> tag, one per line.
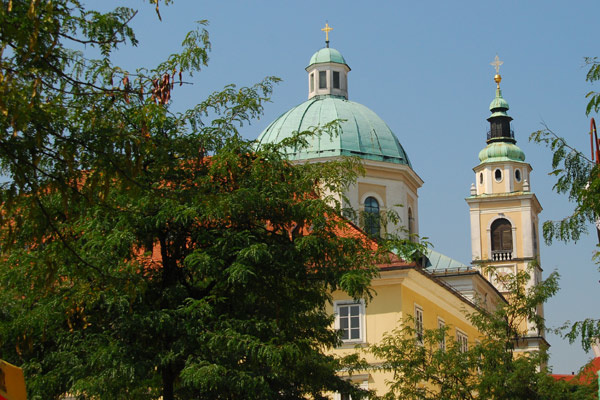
<point x="442" y="368"/>
<point x="150" y="253"/>
<point x="579" y="178"/>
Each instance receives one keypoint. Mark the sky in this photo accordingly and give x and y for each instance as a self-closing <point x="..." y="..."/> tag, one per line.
<point x="424" y="68"/>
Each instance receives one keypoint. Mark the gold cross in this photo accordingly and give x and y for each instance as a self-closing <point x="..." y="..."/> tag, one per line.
<point x="327" y="29"/>
<point x="497" y="63"/>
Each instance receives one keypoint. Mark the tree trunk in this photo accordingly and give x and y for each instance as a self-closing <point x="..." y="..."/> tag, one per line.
<point x="167" y="378"/>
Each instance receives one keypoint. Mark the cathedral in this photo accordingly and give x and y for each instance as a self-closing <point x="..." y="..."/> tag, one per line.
<point x="503" y="216"/>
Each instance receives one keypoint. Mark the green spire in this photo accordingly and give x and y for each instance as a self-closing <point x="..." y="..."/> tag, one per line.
<point x="499" y="106"/>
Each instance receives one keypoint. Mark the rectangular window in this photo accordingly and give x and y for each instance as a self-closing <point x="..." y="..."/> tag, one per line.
<point x="322" y="79"/>
<point x="336" y="80"/>
<point x="441" y="326"/>
<point x="312" y="82"/>
<point x="349" y="319"/>
<point x="463" y="341"/>
<point x="419" y="324"/>
<point x="345" y="396"/>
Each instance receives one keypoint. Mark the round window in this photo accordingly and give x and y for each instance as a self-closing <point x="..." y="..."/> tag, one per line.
<point x="518" y="175"/>
<point x="481" y="178"/>
<point x="498" y="175"/>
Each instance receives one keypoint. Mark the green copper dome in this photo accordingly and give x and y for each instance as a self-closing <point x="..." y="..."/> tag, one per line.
<point x="501" y="151"/>
<point x="327" y="55"/>
<point x="362" y="133"/>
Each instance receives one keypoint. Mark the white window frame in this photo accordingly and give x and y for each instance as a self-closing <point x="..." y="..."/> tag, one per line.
<point x="501" y="175"/>
<point x="442" y="325"/>
<point x="361" y="314"/>
<point x="520" y="175"/>
<point x="419" y="328"/>
<point x="363" y="384"/>
<point x="463" y="341"/>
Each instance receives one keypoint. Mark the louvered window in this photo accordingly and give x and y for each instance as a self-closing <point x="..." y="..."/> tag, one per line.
<point x="501" y="235"/>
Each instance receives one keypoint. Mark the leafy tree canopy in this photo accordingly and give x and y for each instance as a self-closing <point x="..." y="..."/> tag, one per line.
<point x="439" y="366"/>
<point x="147" y="252"/>
<point x="577" y="176"/>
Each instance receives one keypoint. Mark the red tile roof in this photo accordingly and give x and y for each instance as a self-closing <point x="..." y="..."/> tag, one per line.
<point x="586" y="376"/>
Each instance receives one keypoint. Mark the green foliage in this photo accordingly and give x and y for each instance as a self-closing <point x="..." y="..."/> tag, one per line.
<point x="592" y="76"/>
<point x="578" y="177"/>
<point x="588" y="330"/>
<point x="148" y="253"/>
<point x="438" y="368"/>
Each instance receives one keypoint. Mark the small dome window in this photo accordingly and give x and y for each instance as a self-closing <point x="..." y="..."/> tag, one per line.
<point x="498" y="175"/>
<point x="336" y="80"/>
<point x="518" y="175"/>
<point x="481" y="178"/>
<point x="322" y="79"/>
<point x="312" y="82"/>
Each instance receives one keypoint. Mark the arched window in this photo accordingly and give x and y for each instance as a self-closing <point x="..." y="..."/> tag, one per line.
<point x="372" y="223"/>
<point x="502" y="243"/>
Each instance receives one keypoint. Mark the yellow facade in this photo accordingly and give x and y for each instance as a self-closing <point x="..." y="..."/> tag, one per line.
<point x="398" y="292"/>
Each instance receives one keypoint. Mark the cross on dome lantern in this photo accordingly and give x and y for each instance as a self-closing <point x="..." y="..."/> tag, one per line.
<point x="327" y="29"/>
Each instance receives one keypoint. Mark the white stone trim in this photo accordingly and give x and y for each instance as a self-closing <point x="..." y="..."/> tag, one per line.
<point x="376" y="197"/>
<point x="463" y="339"/>
<point x="508" y="178"/>
<point x="475" y="216"/>
<point x="520" y="173"/>
<point x="487" y="179"/>
<point x="527" y="230"/>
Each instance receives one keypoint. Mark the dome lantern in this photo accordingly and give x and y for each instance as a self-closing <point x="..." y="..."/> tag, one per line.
<point x="327" y="72"/>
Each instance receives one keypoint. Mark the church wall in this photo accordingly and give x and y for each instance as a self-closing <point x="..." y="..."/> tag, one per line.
<point x="394" y="172"/>
<point x="499" y="186"/>
<point x="436" y="302"/>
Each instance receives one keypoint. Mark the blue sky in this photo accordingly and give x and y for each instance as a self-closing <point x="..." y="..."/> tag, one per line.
<point x="424" y="67"/>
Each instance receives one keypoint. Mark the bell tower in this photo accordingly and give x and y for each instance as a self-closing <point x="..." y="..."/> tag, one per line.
<point x="504" y="211"/>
